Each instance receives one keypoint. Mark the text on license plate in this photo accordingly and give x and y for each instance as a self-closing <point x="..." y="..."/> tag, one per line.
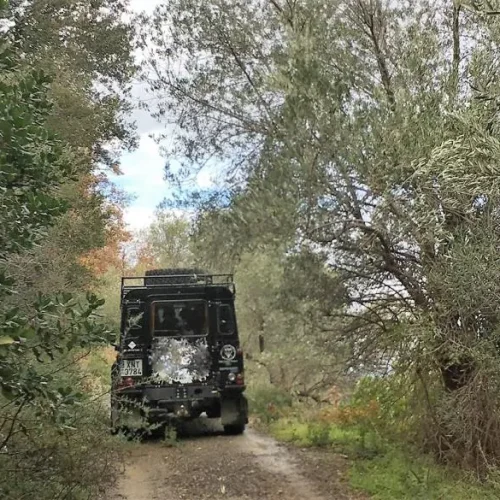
<point x="131" y="367"/>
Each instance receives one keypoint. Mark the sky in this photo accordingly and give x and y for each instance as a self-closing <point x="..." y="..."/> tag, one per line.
<point x="143" y="169"/>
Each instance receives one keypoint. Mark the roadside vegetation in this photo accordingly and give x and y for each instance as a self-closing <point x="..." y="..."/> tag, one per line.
<point x="380" y="457"/>
<point x="354" y="150"/>
<point x="64" y="71"/>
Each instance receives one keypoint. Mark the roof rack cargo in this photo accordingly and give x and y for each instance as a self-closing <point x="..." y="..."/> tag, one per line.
<point x="176" y="280"/>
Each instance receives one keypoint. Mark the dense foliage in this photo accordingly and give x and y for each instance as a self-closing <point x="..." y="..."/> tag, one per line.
<point x="361" y="135"/>
<point x="54" y="131"/>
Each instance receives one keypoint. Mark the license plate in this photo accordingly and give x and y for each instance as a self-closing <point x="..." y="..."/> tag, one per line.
<point x="131" y="368"/>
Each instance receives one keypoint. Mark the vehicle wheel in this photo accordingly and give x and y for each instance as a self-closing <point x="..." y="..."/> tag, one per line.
<point x="213" y="413"/>
<point x="234" y="430"/>
<point x="156" y="431"/>
<point x="114" y="418"/>
<point x="125" y="431"/>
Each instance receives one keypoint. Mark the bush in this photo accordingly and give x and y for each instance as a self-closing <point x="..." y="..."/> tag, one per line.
<point x="318" y="434"/>
<point x="268" y="403"/>
<point x="399" y="475"/>
<point x="63" y="450"/>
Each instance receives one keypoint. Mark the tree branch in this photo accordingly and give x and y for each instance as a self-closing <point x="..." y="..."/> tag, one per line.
<point x="373" y="18"/>
<point x="12" y="425"/>
<point x="456" y="46"/>
<point x="280" y="10"/>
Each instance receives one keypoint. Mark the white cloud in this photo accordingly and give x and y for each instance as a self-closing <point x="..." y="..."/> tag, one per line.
<point x="143" y="179"/>
<point x="138" y="218"/>
<point x="144" y="121"/>
<point x="143" y="170"/>
<point x="148" y="145"/>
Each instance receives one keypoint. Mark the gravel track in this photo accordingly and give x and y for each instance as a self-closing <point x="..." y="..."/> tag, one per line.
<point x="207" y="465"/>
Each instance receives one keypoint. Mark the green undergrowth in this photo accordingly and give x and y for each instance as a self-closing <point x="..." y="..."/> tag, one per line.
<point x="386" y="469"/>
<point x="98" y="365"/>
<point x="398" y="474"/>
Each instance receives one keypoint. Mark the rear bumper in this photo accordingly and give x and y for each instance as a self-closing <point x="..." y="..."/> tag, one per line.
<point x="167" y="394"/>
<point x="179" y="393"/>
<point x="156" y="403"/>
<point x="153" y="404"/>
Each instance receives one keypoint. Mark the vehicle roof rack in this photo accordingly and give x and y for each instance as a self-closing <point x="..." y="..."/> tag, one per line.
<point x="177" y="280"/>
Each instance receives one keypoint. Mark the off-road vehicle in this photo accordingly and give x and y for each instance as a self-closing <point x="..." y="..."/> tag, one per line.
<point x="178" y="354"/>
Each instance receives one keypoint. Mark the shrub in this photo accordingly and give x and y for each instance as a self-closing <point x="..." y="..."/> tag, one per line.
<point x="61" y="450"/>
<point x="269" y="403"/>
<point x="318" y="434"/>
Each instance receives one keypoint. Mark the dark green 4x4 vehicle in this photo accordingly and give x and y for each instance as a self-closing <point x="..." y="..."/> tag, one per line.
<point x="179" y="353"/>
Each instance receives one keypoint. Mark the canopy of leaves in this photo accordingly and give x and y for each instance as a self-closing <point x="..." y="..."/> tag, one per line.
<point x="87" y="49"/>
<point x="61" y="97"/>
<point x="33" y="164"/>
<point x="364" y="132"/>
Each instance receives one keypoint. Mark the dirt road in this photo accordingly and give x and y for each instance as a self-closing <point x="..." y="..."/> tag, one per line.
<point x="210" y="466"/>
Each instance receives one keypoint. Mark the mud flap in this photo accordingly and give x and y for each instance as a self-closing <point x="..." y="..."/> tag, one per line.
<point x="234" y="411"/>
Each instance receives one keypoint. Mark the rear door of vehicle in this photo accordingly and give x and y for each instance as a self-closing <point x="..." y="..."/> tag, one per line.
<point x="230" y="358"/>
<point x="180" y="344"/>
<point x="134" y="341"/>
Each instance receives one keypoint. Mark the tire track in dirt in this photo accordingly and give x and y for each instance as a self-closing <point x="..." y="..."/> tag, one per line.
<point x="211" y="466"/>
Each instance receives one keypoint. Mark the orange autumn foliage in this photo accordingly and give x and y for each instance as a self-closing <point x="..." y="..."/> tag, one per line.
<point x="350" y="415"/>
<point x="111" y="255"/>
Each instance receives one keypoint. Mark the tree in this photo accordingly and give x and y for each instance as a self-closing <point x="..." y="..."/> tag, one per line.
<point x="165" y="243"/>
<point x="38" y="343"/>
<point x="282" y="330"/>
<point x="65" y="70"/>
<point x="33" y="160"/>
<point x="88" y="47"/>
<point x="370" y="128"/>
<point x="88" y="51"/>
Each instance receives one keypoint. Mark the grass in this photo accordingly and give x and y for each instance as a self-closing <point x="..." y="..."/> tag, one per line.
<point x="396" y="474"/>
<point x="308" y="434"/>
<point x="384" y="469"/>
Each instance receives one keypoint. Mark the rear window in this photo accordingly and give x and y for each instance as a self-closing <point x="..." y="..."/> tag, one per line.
<point x="134" y="318"/>
<point x="179" y="318"/>
<point x="226" y="320"/>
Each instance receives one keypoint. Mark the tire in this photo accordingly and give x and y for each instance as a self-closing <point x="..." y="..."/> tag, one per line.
<point x="113" y="420"/>
<point x="126" y="432"/>
<point x="186" y="275"/>
<point x="213" y="412"/>
<point x="234" y="430"/>
<point x="117" y="427"/>
<point x="156" y="432"/>
<point x="195" y="414"/>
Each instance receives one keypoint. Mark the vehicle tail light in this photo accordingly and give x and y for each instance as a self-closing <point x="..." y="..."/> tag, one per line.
<point x="239" y="352"/>
<point x="240" y="380"/>
<point x="126" y="382"/>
